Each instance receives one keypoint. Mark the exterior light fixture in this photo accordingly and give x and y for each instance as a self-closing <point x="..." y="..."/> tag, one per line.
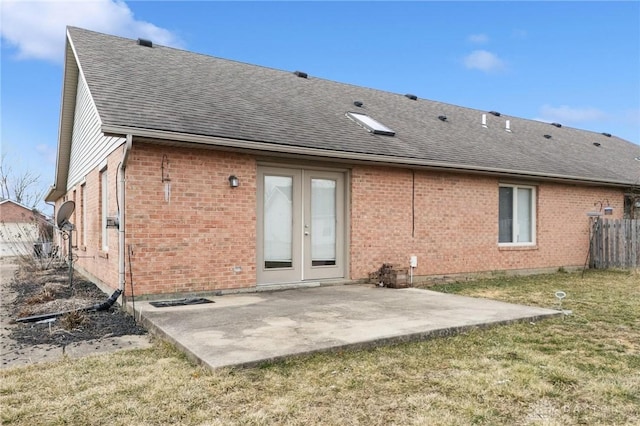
<point x="605" y="207"/>
<point x="234" y="182"/>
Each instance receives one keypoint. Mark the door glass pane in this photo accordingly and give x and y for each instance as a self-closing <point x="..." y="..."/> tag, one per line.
<point x="278" y="221"/>
<point x="505" y="215"/>
<point x="323" y="222"/>
<point x="524" y="215"/>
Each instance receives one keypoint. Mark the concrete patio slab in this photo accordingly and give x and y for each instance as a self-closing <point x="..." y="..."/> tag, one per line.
<point x="249" y="329"/>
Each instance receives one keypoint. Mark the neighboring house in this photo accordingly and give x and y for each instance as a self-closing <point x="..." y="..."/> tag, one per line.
<point x="333" y="180"/>
<point x="23" y="231"/>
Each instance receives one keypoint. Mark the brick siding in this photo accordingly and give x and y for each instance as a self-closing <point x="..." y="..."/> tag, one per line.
<point x="13" y="213"/>
<point x="193" y="241"/>
<point x="456" y="222"/>
<point x="101" y="265"/>
<point x="196" y="240"/>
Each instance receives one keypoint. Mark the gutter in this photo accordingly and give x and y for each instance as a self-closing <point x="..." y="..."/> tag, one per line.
<point x="121" y="214"/>
<point x="252" y="145"/>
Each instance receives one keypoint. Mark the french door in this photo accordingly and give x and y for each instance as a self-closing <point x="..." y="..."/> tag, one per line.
<point x="300" y="225"/>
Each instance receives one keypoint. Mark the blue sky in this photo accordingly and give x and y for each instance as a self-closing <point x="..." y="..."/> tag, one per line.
<point x="576" y="63"/>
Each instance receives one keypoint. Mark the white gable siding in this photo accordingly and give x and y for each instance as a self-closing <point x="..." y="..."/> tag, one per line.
<point x="88" y="145"/>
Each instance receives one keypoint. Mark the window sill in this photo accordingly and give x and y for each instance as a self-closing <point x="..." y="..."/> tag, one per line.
<point x="103" y="254"/>
<point x="518" y="247"/>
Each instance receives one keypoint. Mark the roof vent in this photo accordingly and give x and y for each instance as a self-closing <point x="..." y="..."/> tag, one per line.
<point x="145" y="43"/>
<point x="358" y="103"/>
<point x="596" y="143"/>
<point x="484" y="121"/>
<point x="547" y="136"/>
<point x="442" y="117"/>
<point x="507" y="126"/>
<point x="496" y="113"/>
<point x="607" y="134"/>
<point x="301" y="74"/>
<point x="558" y="125"/>
<point x="412" y="97"/>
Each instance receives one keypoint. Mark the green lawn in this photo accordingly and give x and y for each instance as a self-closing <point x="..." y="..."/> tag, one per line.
<point x="580" y="369"/>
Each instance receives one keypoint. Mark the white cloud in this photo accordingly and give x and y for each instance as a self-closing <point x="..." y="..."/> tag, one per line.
<point x="567" y="114"/>
<point x="484" y="61"/>
<point x="478" y="38"/>
<point x="37" y="28"/>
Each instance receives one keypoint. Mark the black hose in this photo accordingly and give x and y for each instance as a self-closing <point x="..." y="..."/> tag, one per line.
<point x="97" y="307"/>
<point x="104" y="305"/>
<point x="41" y="317"/>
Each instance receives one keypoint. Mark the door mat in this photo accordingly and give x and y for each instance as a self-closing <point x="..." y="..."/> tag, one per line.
<point x="180" y="302"/>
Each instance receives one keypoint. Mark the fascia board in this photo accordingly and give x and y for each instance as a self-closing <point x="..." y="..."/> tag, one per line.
<point x="342" y="155"/>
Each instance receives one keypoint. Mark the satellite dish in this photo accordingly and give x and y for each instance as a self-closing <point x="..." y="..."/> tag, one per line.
<point x="62" y="218"/>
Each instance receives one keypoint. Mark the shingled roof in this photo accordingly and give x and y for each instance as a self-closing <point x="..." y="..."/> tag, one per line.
<point x="168" y="93"/>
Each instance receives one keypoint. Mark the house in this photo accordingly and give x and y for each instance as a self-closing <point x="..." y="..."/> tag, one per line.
<point x="23" y="231"/>
<point x="215" y="175"/>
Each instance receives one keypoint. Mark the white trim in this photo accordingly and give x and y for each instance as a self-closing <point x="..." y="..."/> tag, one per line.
<point x="515" y="231"/>
<point x="83" y="206"/>
<point x="301" y="268"/>
<point x="104" y="207"/>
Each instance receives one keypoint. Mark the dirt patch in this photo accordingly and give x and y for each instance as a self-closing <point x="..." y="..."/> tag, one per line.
<point x="27" y="291"/>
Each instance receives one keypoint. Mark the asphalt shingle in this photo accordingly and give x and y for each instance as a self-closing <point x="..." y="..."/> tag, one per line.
<point x="172" y="90"/>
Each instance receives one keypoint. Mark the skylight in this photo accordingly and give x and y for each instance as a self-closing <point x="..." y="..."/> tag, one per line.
<point x="370" y="124"/>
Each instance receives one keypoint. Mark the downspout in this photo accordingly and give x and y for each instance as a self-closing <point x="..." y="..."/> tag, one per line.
<point x="121" y="219"/>
<point x="53" y="217"/>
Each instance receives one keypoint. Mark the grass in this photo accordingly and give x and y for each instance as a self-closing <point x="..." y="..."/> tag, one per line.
<point x="580" y="369"/>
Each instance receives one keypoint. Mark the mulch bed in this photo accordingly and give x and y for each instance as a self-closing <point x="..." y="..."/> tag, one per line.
<point x="48" y="291"/>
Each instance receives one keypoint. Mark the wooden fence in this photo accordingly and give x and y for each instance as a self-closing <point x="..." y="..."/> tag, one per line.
<point x="615" y="243"/>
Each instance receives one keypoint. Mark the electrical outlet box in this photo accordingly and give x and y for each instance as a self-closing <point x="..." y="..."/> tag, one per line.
<point x="113" y="222"/>
<point x="413" y="261"/>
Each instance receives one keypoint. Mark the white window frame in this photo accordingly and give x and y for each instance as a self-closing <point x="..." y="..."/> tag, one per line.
<point x="515" y="229"/>
<point x="104" y="207"/>
<point x="83" y="206"/>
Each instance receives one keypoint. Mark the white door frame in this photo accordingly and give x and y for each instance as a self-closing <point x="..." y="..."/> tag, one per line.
<point x="299" y="266"/>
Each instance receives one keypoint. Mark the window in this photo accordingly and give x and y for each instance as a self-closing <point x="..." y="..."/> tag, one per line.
<point x="74" y="219"/>
<point x="370" y="124"/>
<point x="83" y="213"/>
<point x="516" y="215"/>
<point x="104" y="189"/>
<point x="632" y="206"/>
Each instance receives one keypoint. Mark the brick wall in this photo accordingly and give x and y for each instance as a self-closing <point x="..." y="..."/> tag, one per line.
<point x="13" y="213"/>
<point x="192" y="240"/>
<point x="202" y="237"/>
<point x="455" y="227"/>
<point x="101" y="265"/>
<point x="20" y="229"/>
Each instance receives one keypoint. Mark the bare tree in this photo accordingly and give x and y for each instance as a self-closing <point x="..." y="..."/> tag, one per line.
<point x="23" y="188"/>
